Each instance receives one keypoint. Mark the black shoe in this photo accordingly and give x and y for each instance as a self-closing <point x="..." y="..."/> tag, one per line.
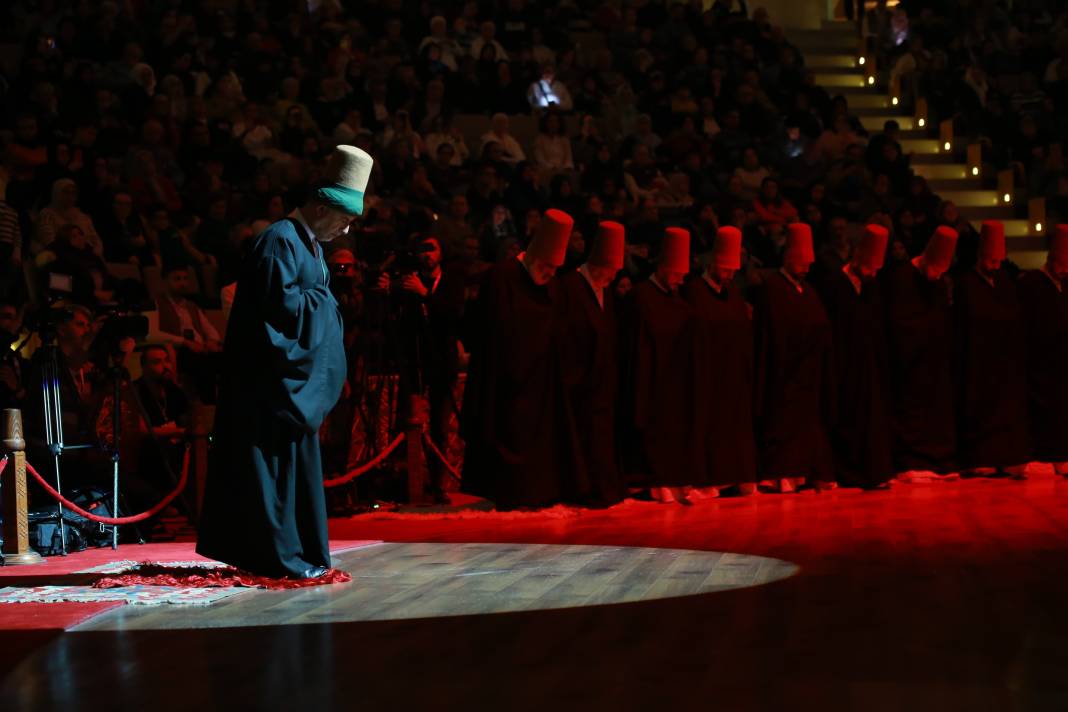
<point x="314" y="572"/>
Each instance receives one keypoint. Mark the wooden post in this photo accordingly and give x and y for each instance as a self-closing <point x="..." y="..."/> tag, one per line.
<point x="17" y="549"/>
<point x="1036" y="217"/>
<point x="418" y="415"/>
<point x="945" y="135"/>
<point x="921" y="113"/>
<point x="975" y="160"/>
<point x="1006" y="180"/>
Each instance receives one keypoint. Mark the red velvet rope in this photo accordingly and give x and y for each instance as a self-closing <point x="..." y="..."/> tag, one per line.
<point x="366" y="467"/>
<point x="115" y="520"/>
<point x="441" y="456"/>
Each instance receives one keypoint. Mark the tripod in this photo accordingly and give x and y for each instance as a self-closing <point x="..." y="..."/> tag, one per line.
<point x="51" y="392"/>
<point x="53" y="417"/>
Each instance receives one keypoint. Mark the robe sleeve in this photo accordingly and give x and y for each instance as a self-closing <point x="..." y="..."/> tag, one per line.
<point x="761" y="349"/>
<point x="481" y="342"/>
<point x="301" y="323"/>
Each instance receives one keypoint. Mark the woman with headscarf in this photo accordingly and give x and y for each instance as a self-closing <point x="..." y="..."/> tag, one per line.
<point x="63" y="210"/>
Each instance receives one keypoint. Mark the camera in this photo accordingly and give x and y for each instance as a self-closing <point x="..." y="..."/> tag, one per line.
<point x="399" y="263"/>
<point x="45" y="320"/>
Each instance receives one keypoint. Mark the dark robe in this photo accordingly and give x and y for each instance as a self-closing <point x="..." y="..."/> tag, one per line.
<point x="919" y="331"/>
<point x="794" y="386"/>
<point x="661" y="438"/>
<point x="284" y="367"/>
<point x="724" y="384"/>
<point x="1045" y="311"/>
<point x="991" y="372"/>
<point x="861" y="434"/>
<point x="590" y="375"/>
<point x="511" y="420"/>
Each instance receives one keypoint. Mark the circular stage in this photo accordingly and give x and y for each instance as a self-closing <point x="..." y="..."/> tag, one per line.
<point x="393" y="581"/>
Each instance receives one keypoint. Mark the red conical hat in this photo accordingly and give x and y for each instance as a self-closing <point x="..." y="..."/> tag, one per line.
<point x="992" y="241"/>
<point x="675" y="251"/>
<point x="799" y="243"/>
<point x="550" y="241"/>
<point x="1058" y="246"/>
<point x="940" y="248"/>
<point x="872" y="248"/>
<point x="727" y="249"/>
<point x="608" y="246"/>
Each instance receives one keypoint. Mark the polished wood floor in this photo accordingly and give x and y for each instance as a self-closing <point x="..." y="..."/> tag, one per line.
<point x="424" y="580"/>
<point x="943" y="596"/>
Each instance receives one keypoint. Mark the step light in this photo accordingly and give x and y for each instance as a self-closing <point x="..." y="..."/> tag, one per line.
<point x="871" y="80"/>
<point x="947" y="145"/>
<point x="894" y="101"/>
<point x="1006" y="197"/>
<point x="975" y="170"/>
<point x="1038" y="227"/>
<point x="861" y="61"/>
<point x="922" y="123"/>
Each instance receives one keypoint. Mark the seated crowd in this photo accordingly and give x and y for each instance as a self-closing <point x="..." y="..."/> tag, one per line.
<point x="144" y="147"/>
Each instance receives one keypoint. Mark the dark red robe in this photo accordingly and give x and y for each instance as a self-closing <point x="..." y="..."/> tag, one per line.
<point x="511" y="418"/>
<point x="590" y="374"/>
<point x="794" y="381"/>
<point x="919" y="331"/>
<point x="861" y="431"/>
<point x="1045" y="311"/>
<point x="724" y="382"/>
<point x="659" y="432"/>
<point x="991" y="372"/>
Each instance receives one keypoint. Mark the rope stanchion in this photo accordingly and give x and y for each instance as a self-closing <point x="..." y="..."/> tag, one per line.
<point x="115" y="521"/>
<point x="366" y="467"/>
<point x="441" y="456"/>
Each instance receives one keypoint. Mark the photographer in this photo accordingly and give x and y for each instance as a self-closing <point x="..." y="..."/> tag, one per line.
<point x="12" y="367"/>
<point x="196" y="338"/>
<point x="153" y="416"/>
<point x="82" y="386"/>
<point x="427" y="303"/>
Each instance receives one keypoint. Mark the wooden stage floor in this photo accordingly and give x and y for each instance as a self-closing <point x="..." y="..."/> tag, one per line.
<point x="942" y="596"/>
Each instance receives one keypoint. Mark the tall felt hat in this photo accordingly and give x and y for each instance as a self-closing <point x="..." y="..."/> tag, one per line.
<point x="940" y="248"/>
<point x="992" y="241"/>
<point x="727" y="248"/>
<point x="550" y="241"/>
<point x="872" y="248"/>
<point x="347" y="174"/>
<point x="608" y="246"/>
<point x="675" y="250"/>
<point x="799" y="243"/>
<point x="1058" y="246"/>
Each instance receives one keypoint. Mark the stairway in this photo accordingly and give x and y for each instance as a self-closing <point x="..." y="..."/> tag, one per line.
<point x="831" y="52"/>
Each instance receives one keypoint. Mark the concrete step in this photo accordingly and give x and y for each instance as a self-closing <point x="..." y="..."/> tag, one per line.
<point x="977" y="214"/>
<point x="926" y="159"/>
<point x="972" y="198"/>
<point x="840" y="33"/>
<point x="874" y="122"/>
<point x="1028" y="259"/>
<point x="941" y="171"/>
<point x="1020" y="229"/>
<point x="826" y="62"/>
<point x="922" y="145"/>
<point x="886" y="111"/>
<point x="852" y="70"/>
<point x="865" y="101"/>
<point x="827" y="42"/>
<point x="832" y="82"/>
<point x="944" y="184"/>
<point x="1034" y="243"/>
<point x="850" y="92"/>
